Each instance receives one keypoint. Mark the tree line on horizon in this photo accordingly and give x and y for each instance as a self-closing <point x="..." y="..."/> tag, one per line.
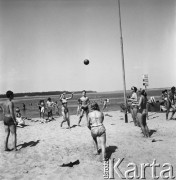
<point x="43" y="93"/>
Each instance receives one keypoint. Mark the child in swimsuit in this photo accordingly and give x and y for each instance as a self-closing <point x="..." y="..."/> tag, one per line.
<point x="19" y="119"/>
<point x="42" y="111"/>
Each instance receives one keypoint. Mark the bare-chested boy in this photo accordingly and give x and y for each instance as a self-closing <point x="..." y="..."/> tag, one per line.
<point x="95" y="124"/>
<point x="84" y="103"/>
<point x="9" y="120"/>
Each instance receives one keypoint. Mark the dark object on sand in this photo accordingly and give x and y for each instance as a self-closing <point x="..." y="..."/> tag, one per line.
<point x="70" y="164"/>
<point x="153" y="140"/>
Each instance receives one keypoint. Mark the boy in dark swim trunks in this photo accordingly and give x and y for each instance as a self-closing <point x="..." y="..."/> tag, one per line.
<point x="84" y="103"/>
<point x="95" y="124"/>
<point x="9" y="120"/>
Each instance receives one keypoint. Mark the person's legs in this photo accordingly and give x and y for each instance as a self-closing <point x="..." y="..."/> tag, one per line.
<point x="68" y="119"/>
<point x="64" y="118"/>
<point x="43" y="114"/>
<point x="173" y="112"/>
<point x="80" y="117"/>
<point x="134" y="114"/>
<point x="168" y="108"/>
<point x="7" y="133"/>
<point x="40" y="114"/>
<point x="139" y="116"/>
<point x="144" y="117"/>
<point x="78" y="110"/>
<point x="103" y="145"/>
<point x="87" y="113"/>
<point x="147" y="131"/>
<point x="14" y="136"/>
<point x="95" y="144"/>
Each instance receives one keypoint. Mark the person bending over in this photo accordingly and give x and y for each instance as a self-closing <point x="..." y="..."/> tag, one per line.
<point x="95" y="124"/>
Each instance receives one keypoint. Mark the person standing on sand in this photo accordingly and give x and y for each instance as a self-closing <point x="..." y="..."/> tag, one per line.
<point x="50" y="105"/>
<point x="64" y="109"/>
<point x="171" y="103"/>
<point x="133" y="100"/>
<point x="105" y="102"/>
<point x="56" y="108"/>
<point x="84" y="102"/>
<point x="95" y="124"/>
<point x="41" y="106"/>
<point x="9" y="120"/>
<point x="142" y="113"/>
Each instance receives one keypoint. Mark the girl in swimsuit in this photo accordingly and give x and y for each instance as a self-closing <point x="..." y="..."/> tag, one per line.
<point x="142" y="113"/>
<point x="64" y="109"/>
<point x="133" y="104"/>
<point x="95" y="124"/>
<point x="9" y="120"/>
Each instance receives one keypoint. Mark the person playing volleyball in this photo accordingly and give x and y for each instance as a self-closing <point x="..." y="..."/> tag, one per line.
<point x="64" y="109"/>
<point x="84" y="102"/>
<point x="95" y="124"/>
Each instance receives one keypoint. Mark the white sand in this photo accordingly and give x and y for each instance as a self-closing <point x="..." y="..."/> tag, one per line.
<point x="44" y="147"/>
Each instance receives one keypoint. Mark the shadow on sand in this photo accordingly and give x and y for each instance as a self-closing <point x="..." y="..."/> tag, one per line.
<point x="73" y="126"/>
<point x="151" y="132"/>
<point x="30" y="144"/>
<point x="110" y="150"/>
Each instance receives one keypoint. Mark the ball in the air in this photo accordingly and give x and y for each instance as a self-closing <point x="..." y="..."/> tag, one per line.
<point x="86" y="61"/>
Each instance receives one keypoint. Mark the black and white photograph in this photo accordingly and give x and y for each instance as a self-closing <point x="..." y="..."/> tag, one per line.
<point x="87" y="89"/>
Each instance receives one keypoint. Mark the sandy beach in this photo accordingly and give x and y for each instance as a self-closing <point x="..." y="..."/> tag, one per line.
<point x="43" y="148"/>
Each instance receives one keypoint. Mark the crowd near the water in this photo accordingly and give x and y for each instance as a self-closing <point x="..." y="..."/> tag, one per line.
<point x="137" y="104"/>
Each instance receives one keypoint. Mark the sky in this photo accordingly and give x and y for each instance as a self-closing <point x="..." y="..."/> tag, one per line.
<point x="43" y="44"/>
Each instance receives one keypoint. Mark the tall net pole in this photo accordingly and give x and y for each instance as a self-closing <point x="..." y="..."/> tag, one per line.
<point x="123" y="64"/>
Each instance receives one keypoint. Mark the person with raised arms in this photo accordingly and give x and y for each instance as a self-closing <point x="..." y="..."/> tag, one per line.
<point x="64" y="109"/>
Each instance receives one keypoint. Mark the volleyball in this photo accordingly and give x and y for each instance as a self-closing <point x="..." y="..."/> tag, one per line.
<point x="86" y="61"/>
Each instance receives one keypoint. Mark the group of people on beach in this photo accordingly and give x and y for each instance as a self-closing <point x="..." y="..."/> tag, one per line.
<point x="94" y="118"/>
<point x="169" y="102"/>
<point x="139" y="109"/>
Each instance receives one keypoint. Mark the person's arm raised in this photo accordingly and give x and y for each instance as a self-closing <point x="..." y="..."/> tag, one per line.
<point x="70" y="96"/>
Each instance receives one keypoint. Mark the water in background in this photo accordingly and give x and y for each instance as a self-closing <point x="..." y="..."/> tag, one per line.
<point x="32" y="110"/>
